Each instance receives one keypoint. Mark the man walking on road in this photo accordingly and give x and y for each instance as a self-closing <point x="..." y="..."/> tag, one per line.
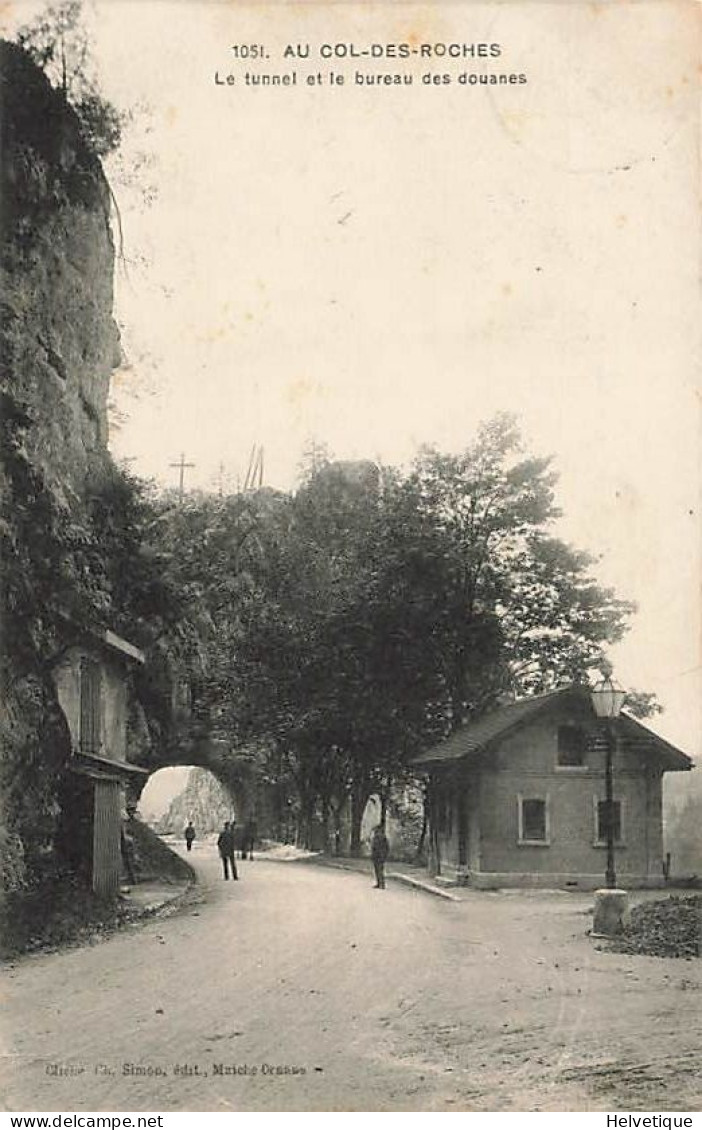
<point x="189" y="835"/>
<point x="225" y="844"/>
<point x="379" y="853"/>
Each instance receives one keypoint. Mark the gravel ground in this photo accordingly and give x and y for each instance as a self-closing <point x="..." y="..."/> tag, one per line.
<point x="302" y="988"/>
<point x="65" y="913"/>
<point x="670" y="927"/>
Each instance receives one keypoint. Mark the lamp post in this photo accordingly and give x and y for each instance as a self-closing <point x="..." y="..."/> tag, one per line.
<point x="610" y="904"/>
<point x="607" y="701"/>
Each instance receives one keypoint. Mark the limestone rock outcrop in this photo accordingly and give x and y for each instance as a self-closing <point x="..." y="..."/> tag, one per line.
<point x="59" y="340"/>
<point x="58" y="346"/>
<point x="204" y="801"/>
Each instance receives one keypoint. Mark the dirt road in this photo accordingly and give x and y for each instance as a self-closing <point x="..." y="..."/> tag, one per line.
<point x="302" y="988"/>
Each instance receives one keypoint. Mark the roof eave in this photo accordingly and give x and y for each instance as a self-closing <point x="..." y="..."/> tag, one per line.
<point x="482" y="746"/>
<point x="672" y="758"/>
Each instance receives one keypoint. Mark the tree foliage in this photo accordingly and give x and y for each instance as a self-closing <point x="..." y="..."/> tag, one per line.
<point x="59" y="43"/>
<point x="364" y="617"/>
<point x="335" y="632"/>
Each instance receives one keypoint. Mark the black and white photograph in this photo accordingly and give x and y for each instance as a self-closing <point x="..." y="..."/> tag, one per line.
<point x="351" y="556"/>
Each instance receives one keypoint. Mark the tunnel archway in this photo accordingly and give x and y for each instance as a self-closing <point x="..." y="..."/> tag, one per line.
<point x="234" y="773"/>
<point x="173" y="796"/>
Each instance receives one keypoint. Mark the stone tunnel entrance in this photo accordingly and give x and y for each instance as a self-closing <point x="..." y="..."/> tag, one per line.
<point x="177" y="795"/>
<point x="175" y="798"/>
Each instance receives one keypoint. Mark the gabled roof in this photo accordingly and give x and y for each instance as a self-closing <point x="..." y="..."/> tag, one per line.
<point x="474" y="738"/>
<point x="105" y="768"/>
<point x="76" y="633"/>
<point x="637" y="736"/>
<point x="124" y="646"/>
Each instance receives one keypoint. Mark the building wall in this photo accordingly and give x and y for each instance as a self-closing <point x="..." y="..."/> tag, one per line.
<point x="474" y="793"/>
<point x="106" y="830"/>
<point x="66" y="676"/>
<point x="526" y="765"/>
<point x="114" y="715"/>
<point x="446" y="836"/>
<point x="443" y="849"/>
<point x="113" y="700"/>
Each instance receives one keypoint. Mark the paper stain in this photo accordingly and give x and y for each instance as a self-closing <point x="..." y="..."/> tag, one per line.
<point x="628" y="496"/>
<point x="516" y="123"/>
<point x="216" y="334"/>
<point x="302" y="390"/>
<point x="121" y="376"/>
<point x="7" y="14"/>
<point x="429" y="28"/>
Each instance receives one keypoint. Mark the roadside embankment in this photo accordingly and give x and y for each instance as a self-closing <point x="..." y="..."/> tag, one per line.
<point x="64" y="912"/>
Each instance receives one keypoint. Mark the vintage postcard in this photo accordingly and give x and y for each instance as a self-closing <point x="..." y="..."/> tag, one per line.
<point x="351" y="556"/>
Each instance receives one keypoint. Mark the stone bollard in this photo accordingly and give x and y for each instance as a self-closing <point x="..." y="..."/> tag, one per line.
<point x="611" y="914"/>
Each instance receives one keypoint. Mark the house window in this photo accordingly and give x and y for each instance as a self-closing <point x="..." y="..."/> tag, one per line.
<point x="533" y="820"/>
<point x="89" y="706"/>
<point x="601" y="821"/>
<point x="572" y="746"/>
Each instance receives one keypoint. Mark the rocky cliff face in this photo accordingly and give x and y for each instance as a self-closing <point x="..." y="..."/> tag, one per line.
<point x="59" y="340"/>
<point x="58" y="346"/>
<point x="203" y="801"/>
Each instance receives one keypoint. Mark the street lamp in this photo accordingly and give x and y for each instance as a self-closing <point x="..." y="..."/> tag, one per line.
<point x="611" y="911"/>
<point x="607" y="701"/>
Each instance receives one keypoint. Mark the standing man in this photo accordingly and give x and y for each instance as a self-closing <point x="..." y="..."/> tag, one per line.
<point x="189" y="835"/>
<point x="379" y="853"/>
<point x="248" y="839"/>
<point x="225" y="845"/>
<point x="126" y="848"/>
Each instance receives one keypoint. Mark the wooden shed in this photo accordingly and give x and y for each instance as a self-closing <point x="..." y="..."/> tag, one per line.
<point x="91" y="677"/>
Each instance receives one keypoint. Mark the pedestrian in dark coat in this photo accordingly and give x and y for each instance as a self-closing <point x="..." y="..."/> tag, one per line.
<point x="126" y="847"/>
<point x="379" y="853"/>
<point x="189" y="835"/>
<point x="225" y="845"/>
<point x="248" y="839"/>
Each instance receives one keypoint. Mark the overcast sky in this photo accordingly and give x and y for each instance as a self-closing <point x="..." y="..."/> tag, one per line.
<point x="381" y="268"/>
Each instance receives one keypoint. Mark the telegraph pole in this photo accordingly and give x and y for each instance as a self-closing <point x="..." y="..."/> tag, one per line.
<point x="181" y="466"/>
<point x="254" y="473"/>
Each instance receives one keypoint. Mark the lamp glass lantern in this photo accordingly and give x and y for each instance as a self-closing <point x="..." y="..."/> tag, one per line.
<point x="607" y="698"/>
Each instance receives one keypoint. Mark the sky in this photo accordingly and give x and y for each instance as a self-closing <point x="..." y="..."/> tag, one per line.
<point x="160" y="789"/>
<point x="383" y="267"/>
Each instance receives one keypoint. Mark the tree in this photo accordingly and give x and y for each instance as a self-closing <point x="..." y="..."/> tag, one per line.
<point x="402" y="605"/>
<point x="59" y="43"/>
<point x="507" y="606"/>
<point x="345" y="628"/>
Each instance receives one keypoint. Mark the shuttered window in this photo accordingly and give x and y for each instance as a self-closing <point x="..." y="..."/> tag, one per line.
<point x="89" y="706"/>
<point x="534" y="820"/>
<point x="572" y="746"/>
<point x="602" y="822"/>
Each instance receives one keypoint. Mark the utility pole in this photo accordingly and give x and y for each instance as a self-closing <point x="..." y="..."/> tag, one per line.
<point x="181" y="466"/>
<point x="254" y="473"/>
<point x="257" y="475"/>
<point x="249" y="470"/>
<point x="220" y="479"/>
